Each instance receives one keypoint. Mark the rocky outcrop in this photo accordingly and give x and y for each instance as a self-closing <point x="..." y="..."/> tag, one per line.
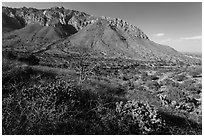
<point x="131" y="29"/>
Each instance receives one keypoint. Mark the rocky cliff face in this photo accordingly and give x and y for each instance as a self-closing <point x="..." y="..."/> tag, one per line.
<point x="58" y="16"/>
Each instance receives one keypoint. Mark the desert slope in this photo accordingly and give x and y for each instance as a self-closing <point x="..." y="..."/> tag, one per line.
<point x="103" y="38"/>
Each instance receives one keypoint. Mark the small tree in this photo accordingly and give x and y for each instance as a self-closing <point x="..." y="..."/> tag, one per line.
<point x="84" y="68"/>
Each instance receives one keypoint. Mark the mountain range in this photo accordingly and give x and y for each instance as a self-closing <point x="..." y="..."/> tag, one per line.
<point x="60" y="30"/>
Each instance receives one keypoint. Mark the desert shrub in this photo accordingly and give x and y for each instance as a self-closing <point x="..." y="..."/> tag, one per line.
<point x="180" y="77"/>
<point x="31" y="60"/>
<point x="107" y="87"/>
<point x="125" y="78"/>
<point x="177" y="125"/>
<point x="140" y="118"/>
<point x="17" y="76"/>
<point x="195" y="72"/>
<point x="144" y="76"/>
<point x="176" y="94"/>
<point x="10" y="55"/>
<point x="169" y="82"/>
<point x="153" y="85"/>
<point x="7" y="64"/>
<point x="152" y="77"/>
<point x="191" y="85"/>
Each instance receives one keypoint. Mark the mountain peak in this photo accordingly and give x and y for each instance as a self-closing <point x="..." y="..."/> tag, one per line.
<point x="57" y="7"/>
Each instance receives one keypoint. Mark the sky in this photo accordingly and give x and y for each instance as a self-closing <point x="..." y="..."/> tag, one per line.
<point x="175" y="24"/>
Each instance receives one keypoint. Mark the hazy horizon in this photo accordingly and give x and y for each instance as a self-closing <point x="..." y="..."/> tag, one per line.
<point x="178" y="25"/>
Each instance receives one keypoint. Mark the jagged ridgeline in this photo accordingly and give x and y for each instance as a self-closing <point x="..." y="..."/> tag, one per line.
<point x="58" y="16"/>
<point x="65" y="30"/>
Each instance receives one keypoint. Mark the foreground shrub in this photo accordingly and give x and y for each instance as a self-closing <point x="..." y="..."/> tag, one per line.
<point x="140" y="117"/>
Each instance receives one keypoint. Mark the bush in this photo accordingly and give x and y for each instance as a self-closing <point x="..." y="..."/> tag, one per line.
<point x="196" y="72"/>
<point x="31" y="60"/>
<point x="10" y="55"/>
<point x="141" y="118"/>
<point x="180" y="77"/>
<point x="154" y="85"/>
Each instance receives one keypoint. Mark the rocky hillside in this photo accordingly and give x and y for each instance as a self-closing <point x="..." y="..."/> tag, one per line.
<point x="34" y="29"/>
<point x="58" y="16"/>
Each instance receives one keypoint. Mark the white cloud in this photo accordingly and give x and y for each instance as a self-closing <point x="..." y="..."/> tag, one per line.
<point x="191" y="38"/>
<point x="159" y="34"/>
<point x="170" y="41"/>
<point x="164" y="41"/>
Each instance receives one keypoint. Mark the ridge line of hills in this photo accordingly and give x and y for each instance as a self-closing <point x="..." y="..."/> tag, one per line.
<point x="31" y="29"/>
